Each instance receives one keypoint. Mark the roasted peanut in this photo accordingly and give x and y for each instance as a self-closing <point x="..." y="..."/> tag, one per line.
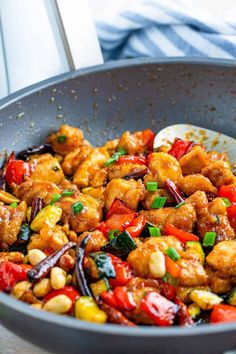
<point x="157" y="264"/>
<point x="67" y="263"/>
<point x="58" y="278"/>
<point x="59" y="304"/>
<point x="42" y="287"/>
<point x="35" y="256"/>
<point x="20" y="288"/>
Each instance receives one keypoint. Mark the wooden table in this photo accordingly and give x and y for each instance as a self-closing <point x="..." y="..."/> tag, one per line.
<point x="11" y="344"/>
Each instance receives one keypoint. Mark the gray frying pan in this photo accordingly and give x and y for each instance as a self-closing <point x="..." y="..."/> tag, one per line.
<point x="104" y="101"/>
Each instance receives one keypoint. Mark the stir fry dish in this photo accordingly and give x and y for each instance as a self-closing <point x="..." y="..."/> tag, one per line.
<point x="120" y="233"/>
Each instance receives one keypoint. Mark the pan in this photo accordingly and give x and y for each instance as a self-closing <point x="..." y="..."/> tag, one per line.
<point x="104" y="101"/>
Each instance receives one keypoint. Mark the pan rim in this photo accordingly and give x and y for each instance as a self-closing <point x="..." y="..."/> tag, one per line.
<point x="113" y="329"/>
<point x="142" y="331"/>
<point x="113" y="65"/>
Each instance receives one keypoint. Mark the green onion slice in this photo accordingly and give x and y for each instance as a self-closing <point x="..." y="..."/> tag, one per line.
<point x="115" y="157"/>
<point x="55" y="198"/>
<point x="154" y="231"/>
<point x="68" y="193"/>
<point x="112" y="159"/>
<point x="113" y="233"/>
<point x="122" y="151"/>
<point x="77" y="207"/>
<point x="226" y="201"/>
<point x="169" y="279"/>
<point x="180" y="204"/>
<point x="152" y="186"/>
<point x="158" y="202"/>
<point x="209" y="239"/>
<point x="172" y="253"/>
<point x="13" y="205"/>
<point x="61" y="139"/>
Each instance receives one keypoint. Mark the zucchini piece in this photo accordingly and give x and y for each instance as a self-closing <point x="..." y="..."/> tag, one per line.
<point x="194" y="310"/>
<point x="194" y="249"/>
<point x="100" y="266"/>
<point x="121" y="245"/>
<point x="146" y="232"/>
<point x="25" y="233"/>
<point x="100" y="286"/>
<point x="86" y="309"/>
<point x="232" y="297"/>
<point x="205" y="299"/>
<point x="183" y="292"/>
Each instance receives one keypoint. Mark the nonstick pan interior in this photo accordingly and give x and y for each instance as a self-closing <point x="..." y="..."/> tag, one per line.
<point x="104" y="101"/>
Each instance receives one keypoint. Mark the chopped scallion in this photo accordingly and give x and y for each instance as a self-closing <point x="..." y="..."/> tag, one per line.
<point x="152" y="186"/>
<point x="55" y="198"/>
<point x="112" y="159"/>
<point x="122" y="151"/>
<point x="112" y="234"/>
<point x="13" y="205"/>
<point x="154" y="231"/>
<point x="226" y="201"/>
<point x="217" y="219"/>
<point x="158" y="202"/>
<point x="169" y="279"/>
<point x="77" y="207"/>
<point x="61" y="139"/>
<point x="172" y="253"/>
<point x="180" y="204"/>
<point x="209" y="239"/>
<point x="67" y="193"/>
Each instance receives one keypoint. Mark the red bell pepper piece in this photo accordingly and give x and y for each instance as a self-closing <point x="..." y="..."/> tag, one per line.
<point x="228" y="191"/>
<point x="148" y="139"/>
<point x="48" y="251"/>
<point x="124" y="298"/>
<point x="10" y="274"/>
<point x="68" y="290"/>
<point x="172" y="267"/>
<point x="109" y="298"/>
<point x="180" y="148"/>
<point x="16" y="170"/>
<point x="223" y="313"/>
<point x="159" y="309"/>
<point x="120" y="221"/>
<point x="182" y="235"/>
<point x="103" y="228"/>
<point x="119" y="207"/>
<point x="231" y="212"/>
<point x="132" y="159"/>
<point x="167" y="290"/>
<point x="136" y="226"/>
<point x="86" y="262"/>
<point x="183" y="316"/>
<point x="124" y="273"/>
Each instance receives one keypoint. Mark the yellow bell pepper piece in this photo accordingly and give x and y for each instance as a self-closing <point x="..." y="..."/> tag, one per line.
<point x="86" y="309"/>
<point x="50" y="215"/>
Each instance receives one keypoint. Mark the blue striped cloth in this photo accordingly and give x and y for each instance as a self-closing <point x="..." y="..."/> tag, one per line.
<point x="165" y="28"/>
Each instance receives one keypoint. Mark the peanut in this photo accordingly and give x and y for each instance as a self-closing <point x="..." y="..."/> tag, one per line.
<point x="157" y="265"/>
<point x="20" y="288"/>
<point x="67" y="263"/>
<point x="58" y="278"/>
<point x="42" y="287"/>
<point x="59" y="304"/>
<point x="35" y="256"/>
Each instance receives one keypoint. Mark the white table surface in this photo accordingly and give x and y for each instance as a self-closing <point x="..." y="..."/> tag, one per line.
<point x="11" y="344"/>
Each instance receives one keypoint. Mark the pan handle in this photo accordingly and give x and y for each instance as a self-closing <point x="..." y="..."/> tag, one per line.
<point x="44" y="38"/>
<point x="78" y="33"/>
